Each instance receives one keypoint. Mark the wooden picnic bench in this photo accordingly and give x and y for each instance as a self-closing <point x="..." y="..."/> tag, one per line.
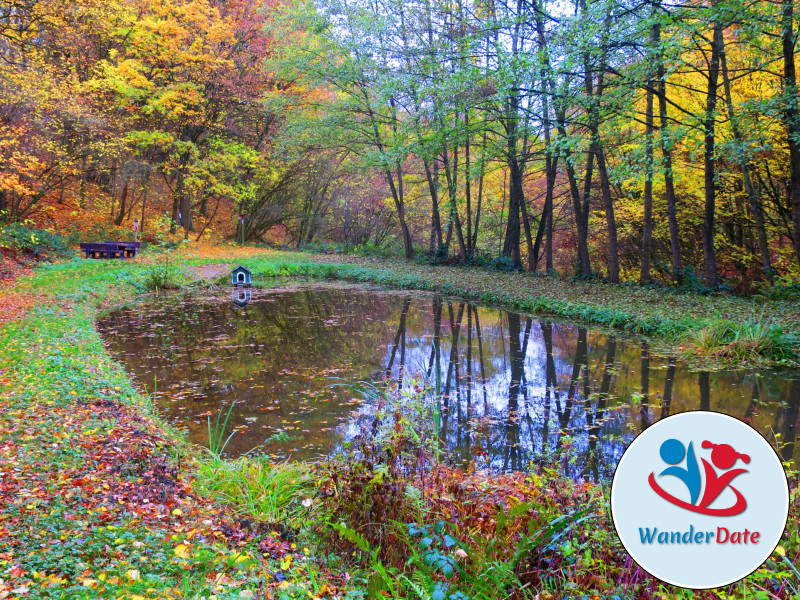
<point x="110" y="249"/>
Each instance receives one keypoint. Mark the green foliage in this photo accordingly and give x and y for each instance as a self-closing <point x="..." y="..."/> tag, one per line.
<point x="746" y="340"/>
<point x="277" y="493"/>
<point x="503" y="263"/>
<point x="216" y="433"/>
<point x="162" y="276"/>
<point x="785" y="288"/>
<point x="41" y="242"/>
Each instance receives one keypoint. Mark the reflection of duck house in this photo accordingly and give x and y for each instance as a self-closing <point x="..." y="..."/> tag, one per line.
<point x="241" y="297"/>
<point x="242" y="276"/>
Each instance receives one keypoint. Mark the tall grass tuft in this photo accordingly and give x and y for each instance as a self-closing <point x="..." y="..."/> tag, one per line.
<point x="750" y="339"/>
<point x="216" y="433"/>
<point x="162" y="276"/>
<point x="254" y="487"/>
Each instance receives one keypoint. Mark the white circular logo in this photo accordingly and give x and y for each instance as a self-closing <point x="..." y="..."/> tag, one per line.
<point x="700" y="499"/>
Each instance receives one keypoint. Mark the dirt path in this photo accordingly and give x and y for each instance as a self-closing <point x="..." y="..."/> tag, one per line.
<point x="209" y="272"/>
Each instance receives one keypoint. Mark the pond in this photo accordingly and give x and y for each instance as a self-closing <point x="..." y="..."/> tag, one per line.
<point x="510" y="389"/>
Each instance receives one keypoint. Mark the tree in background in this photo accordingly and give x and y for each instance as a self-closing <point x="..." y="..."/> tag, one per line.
<point x="605" y="138"/>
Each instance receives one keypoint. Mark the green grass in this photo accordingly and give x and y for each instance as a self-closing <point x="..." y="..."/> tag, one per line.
<point x="275" y="493"/>
<point x="99" y="496"/>
<point x="162" y="276"/>
<point x="749" y="341"/>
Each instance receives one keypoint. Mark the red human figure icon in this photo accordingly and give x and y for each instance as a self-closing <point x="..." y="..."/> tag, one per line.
<point x="724" y="457"/>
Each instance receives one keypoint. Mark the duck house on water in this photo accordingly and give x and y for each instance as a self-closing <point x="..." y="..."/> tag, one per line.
<point x="242" y="277"/>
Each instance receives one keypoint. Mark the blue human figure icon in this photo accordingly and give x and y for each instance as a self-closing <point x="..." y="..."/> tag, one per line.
<point x="672" y="453"/>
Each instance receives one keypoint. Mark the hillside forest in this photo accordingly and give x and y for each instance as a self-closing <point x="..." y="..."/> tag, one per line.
<point x="649" y="141"/>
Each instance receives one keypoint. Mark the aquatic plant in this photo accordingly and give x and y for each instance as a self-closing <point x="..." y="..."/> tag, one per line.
<point x="216" y="433"/>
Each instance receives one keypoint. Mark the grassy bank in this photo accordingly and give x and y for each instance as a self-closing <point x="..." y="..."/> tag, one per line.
<point x="99" y="498"/>
<point x="97" y="495"/>
<point x="718" y="330"/>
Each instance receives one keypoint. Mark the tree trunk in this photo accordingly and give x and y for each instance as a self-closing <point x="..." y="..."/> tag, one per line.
<point x="512" y="238"/>
<point x="82" y="193"/>
<point x="647" y="226"/>
<point x="709" y="123"/>
<point x="611" y="222"/>
<point x="666" y="152"/>
<point x="123" y="200"/>
<point x="546" y="222"/>
<point x="451" y="174"/>
<point x="480" y="196"/>
<point x="144" y="201"/>
<point x="528" y="239"/>
<point x="792" y="119"/>
<point x="755" y="205"/>
<point x="397" y="191"/>
<point x="436" y="222"/>
<point x="467" y="188"/>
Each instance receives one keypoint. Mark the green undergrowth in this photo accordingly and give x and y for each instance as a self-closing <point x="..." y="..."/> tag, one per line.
<point x="405" y="526"/>
<point x="276" y="493"/>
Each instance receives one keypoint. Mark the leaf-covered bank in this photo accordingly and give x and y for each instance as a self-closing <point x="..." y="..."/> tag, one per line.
<point x="97" y="494"/>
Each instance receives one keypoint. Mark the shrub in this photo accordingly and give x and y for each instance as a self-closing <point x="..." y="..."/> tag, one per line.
<point x="785" y="288"/>
<point x="40" y="242"/>
<point x="503" y="263"/>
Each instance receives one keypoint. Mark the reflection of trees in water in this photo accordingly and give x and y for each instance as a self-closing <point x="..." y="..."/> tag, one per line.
<point x="595" y="413"/>
<point x="513" y="432"/>
<point x="510" y="389"/>
<point x="542" y="400"/>
<point x="400" y="340"/>
<point x="644" y="413"/>
<point x="786" y="421"/>
<point x="668" y="381"/>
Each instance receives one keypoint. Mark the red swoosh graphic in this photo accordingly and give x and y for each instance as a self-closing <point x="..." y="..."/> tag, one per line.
<point x="739" y="507"/>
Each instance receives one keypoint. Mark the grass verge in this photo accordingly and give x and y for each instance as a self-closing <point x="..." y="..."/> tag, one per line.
<point x="98" y="496"/>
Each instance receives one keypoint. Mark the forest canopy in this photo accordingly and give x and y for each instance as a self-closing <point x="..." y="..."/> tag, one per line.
<point x="634" y="141"/>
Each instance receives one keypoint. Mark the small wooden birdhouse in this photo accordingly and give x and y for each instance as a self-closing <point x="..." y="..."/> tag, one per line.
<point x="242" y="276"/>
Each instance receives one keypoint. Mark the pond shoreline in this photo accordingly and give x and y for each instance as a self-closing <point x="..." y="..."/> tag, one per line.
<point x="59" y="386"/>
<point x="709" y="331"/>
<point x="287" y="354"/>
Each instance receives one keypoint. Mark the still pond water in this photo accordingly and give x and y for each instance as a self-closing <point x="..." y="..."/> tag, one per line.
<point x="511" y="389"/>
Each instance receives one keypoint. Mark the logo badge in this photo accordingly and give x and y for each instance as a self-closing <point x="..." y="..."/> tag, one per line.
<point x="700" y="499"/>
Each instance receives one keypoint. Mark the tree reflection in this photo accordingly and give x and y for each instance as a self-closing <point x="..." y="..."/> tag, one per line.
<point x="788" y="417"/>
<point x="507" y="390"/>
<point x="666" y="401"/>
<point x="594" y="418"/>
